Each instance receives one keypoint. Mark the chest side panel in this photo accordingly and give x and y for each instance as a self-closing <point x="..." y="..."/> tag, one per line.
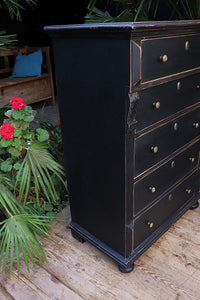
<point x="91" y="79"/>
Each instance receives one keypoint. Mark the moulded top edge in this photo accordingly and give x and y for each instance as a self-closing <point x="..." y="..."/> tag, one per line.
<point x="123" y="26"/>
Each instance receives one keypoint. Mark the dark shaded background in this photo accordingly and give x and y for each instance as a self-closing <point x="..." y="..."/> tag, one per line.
<point x="30" y="30"/>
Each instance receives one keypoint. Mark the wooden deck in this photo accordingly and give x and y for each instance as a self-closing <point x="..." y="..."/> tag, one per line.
<point x="170" y="269"/>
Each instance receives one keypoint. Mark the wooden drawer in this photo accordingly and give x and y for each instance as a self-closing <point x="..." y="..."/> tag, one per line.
<point x="167" y="56"/>
<point x="160" y="212"/>
<point x="159" y="102"/>
<point x="152" y="186"/>
<point x="154" y="146"/>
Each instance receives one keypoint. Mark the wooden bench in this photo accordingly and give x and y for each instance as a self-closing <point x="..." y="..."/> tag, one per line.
<point x="31" y="89"/>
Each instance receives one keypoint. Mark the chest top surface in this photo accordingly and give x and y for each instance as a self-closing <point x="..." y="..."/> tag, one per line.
<point x="126" y="30"/>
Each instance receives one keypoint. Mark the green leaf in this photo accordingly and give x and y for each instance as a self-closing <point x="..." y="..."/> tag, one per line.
<point x="20" y="124"/>
<point x="18" y="114"/>
<point x="8" y="113"/>
<point x="48" y="206"/>
<point x="6" y="143"/>
<point x="27" y="135"/>
<point x="40" y="164"/>
<point x="6" y="166"/>
<point x="98" y="17"/>
<point x="20" y="231"/>
<point x="17" y="132"/>
<point x="17" y="165"/>
<point x="16" y="143"/>
<point x="28" y="118"/>
<point x="43" y="135"/>
<point x="14" y="152"/>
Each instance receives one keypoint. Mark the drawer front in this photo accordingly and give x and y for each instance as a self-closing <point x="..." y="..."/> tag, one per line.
<point x="159" y="102"/>
<point x="167" y="56"/>
<point x="154" y="146"/>
<point x="160" y="212"/>
<point x="152" y="186"/>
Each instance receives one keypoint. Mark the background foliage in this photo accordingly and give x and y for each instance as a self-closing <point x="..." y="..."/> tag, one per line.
<point x="14" y="8"/>
<point x="140" y="10"/>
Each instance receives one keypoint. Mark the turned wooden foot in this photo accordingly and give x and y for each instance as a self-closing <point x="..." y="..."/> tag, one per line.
<point x="127" y="269"/>
<point x="195" y="205"/>
<point x="77" y="236"/>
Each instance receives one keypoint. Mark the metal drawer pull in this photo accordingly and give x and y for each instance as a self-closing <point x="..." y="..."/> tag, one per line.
<point x="156" y="104"/>
<point x="154" y="149"/>
<point x="164" y="58"/>
<point x="172" y="164"/>
<point x="150" y="224"/>
<point x="192" y="159"/>
<point x="178" y="85"/>
<point x="195" y="124"/>
<point x="187" y="45"/>
<point x="175" y="126"/>
<point x="152" y="189"/>
<point x="198" y="86"/>
<point x="170" y="197"/>
<point x="188" y="191"/>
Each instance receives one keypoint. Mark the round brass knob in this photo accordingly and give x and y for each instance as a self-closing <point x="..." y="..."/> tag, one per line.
<point x="178" y="85"/>
<point x="156" y="104"/>
<point x="175" y="126"/>
<point x="170" y="197"/>
<point x="172" y="164"/>
<point x="150" y="224"/>
<point x="198" y="86"/>
<point x="152" y="189"/>
<point x="164" y="58"/>
<point x="188" y="191"/>
<point x="192" y="159"/>
<point x="187" y="45"/>
<point x="154" y="149"/>
<point x="195" y="124"/>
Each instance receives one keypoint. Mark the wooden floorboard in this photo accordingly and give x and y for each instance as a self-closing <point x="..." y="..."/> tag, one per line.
<point x="170" y="269"/>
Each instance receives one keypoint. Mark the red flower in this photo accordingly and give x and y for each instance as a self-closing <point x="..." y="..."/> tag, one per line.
<point x="7" y="131"/>
<point x="17" y="103"/>
<point x="50" y="136"/>
<point x="58" y="122"/>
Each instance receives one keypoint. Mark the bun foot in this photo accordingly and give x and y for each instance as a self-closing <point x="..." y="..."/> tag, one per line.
<point x="126" y="269"/>
<point x="77" y="236"/>
<point x="195" y="205"/>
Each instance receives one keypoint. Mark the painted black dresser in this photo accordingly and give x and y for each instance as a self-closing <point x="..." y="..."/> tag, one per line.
<point x="129" y="101"/>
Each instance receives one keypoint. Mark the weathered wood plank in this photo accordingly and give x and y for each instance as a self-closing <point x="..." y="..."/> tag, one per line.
<point x="4" y="295"/>
<point x="38" y="284"/>
<point x="171" y="275"/>
<point x="90" y="256"/>
<point x="69" y="263"/>
<point x="19" y="289"/>
<point x="170" y="269"/>
<point x="178" y="246"/>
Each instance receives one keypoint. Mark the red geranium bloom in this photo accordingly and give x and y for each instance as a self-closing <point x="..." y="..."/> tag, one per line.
<point x="58" y="122"/>
<point x="17" y="103"/>
<point x="50" y="136"/>
<point x="7" y="131"/>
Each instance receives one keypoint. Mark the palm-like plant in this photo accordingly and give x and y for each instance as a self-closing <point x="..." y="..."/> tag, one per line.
<point x="132" y="10"/>
<point x="18" y="231"/>
<point x="135" y="10"/>
<point x="186" y="9"/>
<point x="14" y="8"/>
<point x="36" y="168"/>
<point x="27" y="169"/>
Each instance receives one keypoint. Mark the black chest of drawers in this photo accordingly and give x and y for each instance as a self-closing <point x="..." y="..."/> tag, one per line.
<point x="129" y="101"/>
